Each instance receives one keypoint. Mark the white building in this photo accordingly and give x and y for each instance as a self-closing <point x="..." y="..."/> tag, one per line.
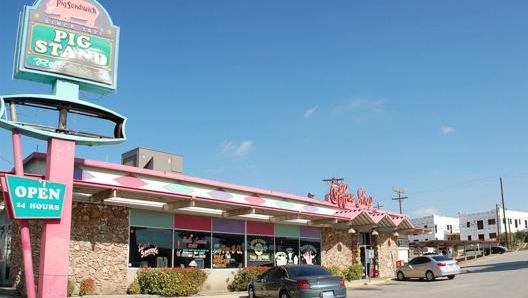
<point x="489" y="224"/>
<point x="442" y="227"/>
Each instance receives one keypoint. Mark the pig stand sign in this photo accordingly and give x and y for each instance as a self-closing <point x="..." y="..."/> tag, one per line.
<point x="71" y="39"/>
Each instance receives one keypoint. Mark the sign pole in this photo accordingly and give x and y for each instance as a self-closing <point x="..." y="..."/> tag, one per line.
<point x="25" y="238"/>
<point x="55" y="240"/>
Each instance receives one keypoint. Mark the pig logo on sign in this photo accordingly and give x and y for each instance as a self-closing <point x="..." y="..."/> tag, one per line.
<point x="74" y="11"/>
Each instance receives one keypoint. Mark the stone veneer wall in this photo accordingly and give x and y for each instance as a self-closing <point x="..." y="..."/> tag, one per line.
<point x="98" y="248"/>
<point x="386" y="250"/>
<point x="338" y="247"/>
<point x="342" y="249"/>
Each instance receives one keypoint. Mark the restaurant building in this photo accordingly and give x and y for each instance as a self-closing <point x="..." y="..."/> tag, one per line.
<point x="146" y="213"/>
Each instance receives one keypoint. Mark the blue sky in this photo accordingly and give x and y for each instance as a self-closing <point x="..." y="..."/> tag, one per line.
<point x="427" y="96"/>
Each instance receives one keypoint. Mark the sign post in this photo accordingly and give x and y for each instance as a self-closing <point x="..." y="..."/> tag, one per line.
<point x="72" y="45"/>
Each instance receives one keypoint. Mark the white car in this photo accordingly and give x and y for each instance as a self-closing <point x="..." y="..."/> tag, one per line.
<point x="429" y="267"/>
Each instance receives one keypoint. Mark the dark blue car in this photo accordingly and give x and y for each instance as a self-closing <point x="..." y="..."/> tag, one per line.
<point x="297" y="281"/>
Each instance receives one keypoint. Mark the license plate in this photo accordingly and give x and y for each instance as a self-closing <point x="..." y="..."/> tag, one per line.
<point x="328" y="294"/>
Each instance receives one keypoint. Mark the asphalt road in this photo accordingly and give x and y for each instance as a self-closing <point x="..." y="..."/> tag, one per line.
<point x="497" y="276"/>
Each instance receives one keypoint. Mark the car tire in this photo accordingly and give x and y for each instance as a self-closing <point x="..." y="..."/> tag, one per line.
<point x="429" y="276"/>
<point x="400" y="276"/>
<point x="284" y="294"/>
<point x="451" y="276"/>
<point x="251" y="292"/>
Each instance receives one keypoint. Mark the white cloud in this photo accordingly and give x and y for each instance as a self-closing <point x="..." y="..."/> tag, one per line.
<point x="363" y="105"/>
<point x="422" y="212"/>
<point x="445" y="130"/>
<point x="309" y="113"/>
<point x="237" y="149"/>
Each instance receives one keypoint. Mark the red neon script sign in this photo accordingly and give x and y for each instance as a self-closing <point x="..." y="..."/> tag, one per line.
<point x="339" y="196"/>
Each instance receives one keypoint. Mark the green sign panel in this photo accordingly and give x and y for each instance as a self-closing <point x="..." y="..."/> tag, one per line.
<point x="35" y="199"/>
<point x="52" y="49"/>
<point x="74" y="40"/>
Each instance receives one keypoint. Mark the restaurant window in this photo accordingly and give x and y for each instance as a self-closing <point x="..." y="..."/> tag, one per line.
<point x="150" y="247"/>
<point x="228" y="251"/>
<point x="260" y="250"/>
<point x="192" y="246"/>
<point x="310" y="252"/>
<point x="286" y="251"/>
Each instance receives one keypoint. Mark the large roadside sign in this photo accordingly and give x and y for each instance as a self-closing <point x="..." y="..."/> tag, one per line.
<point x="74" y="40"/>
<point x="35" y="199"/>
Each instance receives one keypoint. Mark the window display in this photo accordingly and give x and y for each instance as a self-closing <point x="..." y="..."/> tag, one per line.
<point x="259" y="251"/>
<point x="150" y="247"/>
<point x="287" y="251"/>
<point x="310" y="252"/>
<point x="228" y="251"/>
<point x="192" y="249"/>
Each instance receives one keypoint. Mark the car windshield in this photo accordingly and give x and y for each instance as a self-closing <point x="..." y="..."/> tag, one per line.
<point x="440" y="258"/>
<point x="306" y="271"/>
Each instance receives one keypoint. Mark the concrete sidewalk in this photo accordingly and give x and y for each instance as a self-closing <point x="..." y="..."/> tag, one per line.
<point x="10" y="293"/>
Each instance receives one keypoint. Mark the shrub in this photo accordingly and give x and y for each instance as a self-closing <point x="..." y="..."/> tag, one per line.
<point x="334" y="269"/>
<point x="353" y="272"/>
<point x="170" y="282"/>
<point x="134" y="288"/>
<point x="87" y="286"/>
<point x="244" y="276"/>
<point x="71" y="288"/>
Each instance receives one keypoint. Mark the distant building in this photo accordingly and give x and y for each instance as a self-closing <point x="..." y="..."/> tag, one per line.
<point x="442" y="228"/>
<point x="486" y="226"/>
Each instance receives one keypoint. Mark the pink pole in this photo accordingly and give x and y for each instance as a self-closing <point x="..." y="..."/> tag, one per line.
<point x="55" y="239"/>
<point x="24" y="223"/>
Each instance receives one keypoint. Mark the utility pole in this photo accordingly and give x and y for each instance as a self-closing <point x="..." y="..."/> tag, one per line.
<point x="400" y="198"/>
<point x="333" y="179"/>
<point x="506" y="223"/>
<point x="378" y="205"/>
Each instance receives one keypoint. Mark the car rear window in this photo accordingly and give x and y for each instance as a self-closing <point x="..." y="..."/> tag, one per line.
<point x="307" y="271"/>
<point x="440" y="258"/>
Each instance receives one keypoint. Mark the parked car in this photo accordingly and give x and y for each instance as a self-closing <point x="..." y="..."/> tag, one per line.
<point x="429" y="267"/>
<point x="431" y="254"/>
<point x="494" y="250"/>
<point x="474" y="252"/>
<point x="297" y="281"/>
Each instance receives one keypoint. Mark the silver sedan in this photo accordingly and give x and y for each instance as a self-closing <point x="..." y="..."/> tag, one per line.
<point x="429" y="267"/>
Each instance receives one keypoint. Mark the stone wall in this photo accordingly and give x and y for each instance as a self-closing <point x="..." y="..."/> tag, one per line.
<point x="386" y="251"/>
<point x="98" y="248"/>
<point x="342" y="249"/>
<point x="338" y="247"/>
